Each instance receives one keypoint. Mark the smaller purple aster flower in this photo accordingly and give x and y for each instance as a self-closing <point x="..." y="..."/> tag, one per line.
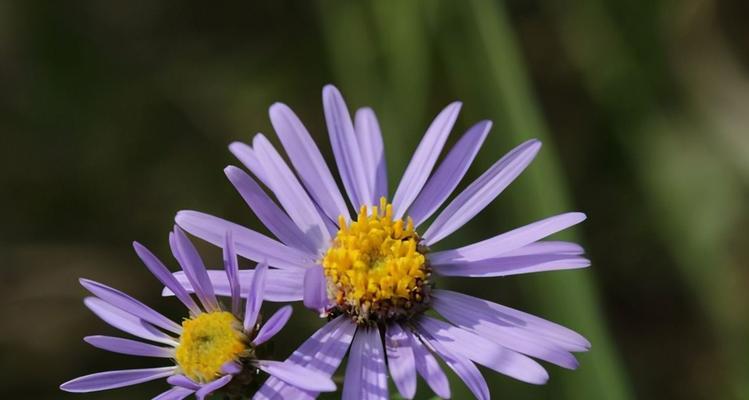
<point x="213" y="350"/>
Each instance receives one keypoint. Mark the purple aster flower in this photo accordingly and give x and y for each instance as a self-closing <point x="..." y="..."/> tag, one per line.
<point x="371" y="273"/>
<point x="213" y="350"/>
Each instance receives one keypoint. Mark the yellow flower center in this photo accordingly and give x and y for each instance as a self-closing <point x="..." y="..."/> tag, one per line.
<point x="208" y="341"/>
<point x="375" y="267"/>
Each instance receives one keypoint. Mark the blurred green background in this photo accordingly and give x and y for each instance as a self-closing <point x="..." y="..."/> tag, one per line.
<point x="114" y="115"/>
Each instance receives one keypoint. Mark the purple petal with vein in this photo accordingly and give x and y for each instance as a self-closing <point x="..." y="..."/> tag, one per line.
<point x="512" y="265"/>
<point x="273" y="325"/>
<point x="246" y="155"/>
<point x="231" y="265"/>
<point x="483" y="324"/>
<point x="315" y="290"/>
<point x="449" y="173"/>
<point x="484" y="352"/>
<point x="290" y="193"/>
<point x="129" y="347"/>
<point x="115" y="379"/>
<point x="508" y="241"/>
<point x="368" y="374"/>
<point x="401" y="360"/>
<point x="345" y="147"/>
<point x="297" y="375"/>
<point x="353" y="384"/>
<point x="175" y="393"/>
<point x="424" y="158"/>
<point x="463" y="367"/>
<point x="428" y="367"/>
<point x="255" y="297"/>
<point x="547" y="247"/>
<point x="127" y="322"/>
<point x="482" y="191"/>
<point x="183" y="381"/>
<point x="210" y="387"/>
<point x="307" y="161"/>
<point x="282" y="285"/>
<point x="161" y="273"/>
<point x="506" y="318"/>
<point x="131" y="305"/>
<point x="250" y="244"/>
<point x="195" y="270"/>
<point x="372" y="151"/>
<point x="272" y="216"/>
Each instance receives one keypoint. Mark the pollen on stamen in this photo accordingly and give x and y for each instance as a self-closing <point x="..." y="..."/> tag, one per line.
<point x="376" y="268"/>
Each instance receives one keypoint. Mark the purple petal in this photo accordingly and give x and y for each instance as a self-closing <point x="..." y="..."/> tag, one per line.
<point x="375" y="374"/>
<point x="255" y="297"/>
<point x="210" y="387"/>
<point x="372" y="152"/>
<point x="428" y="367"/>
<point x="315" y="289"/>
<point x="290" y="193"/>
<point x="322" y="352"/>
<point x="231" y="368"/>
<point x="250" y="244"/>
<point x="175" y="393"/>
<point x="115" y="379"/>
<point x="482" y="191"/>
<point x="282" y="285"/>
<point x="131" y="305"/>
<point x="183" y="381"/>
<point x="231" y="265"/>
<point x="129" y="347"/>
<point x="273" y="325"/>
<point x="161" y="273"/>
<point x="268" y="212"/>
<point x="127" y="322"/>
<point x="307" y="161"/>
<point x="547" y="247"/>
<point x="195" y="270"/>
<point x="297" y="375"/>
<point x="484" y="352"/>
<point x="462" y="367"/>
<point x="353" y="383"/>
<point x="450" y="172"/>
<point x="482" y="323"/>
<point x="345" y="147"/>
<point x="246" y="155"/>
<point x="513" y="265"/>
<point x="401" y="360"/>
<point x="423" y="159"/>
<point x="501" y="316"/>
<point x="508" y="241"/>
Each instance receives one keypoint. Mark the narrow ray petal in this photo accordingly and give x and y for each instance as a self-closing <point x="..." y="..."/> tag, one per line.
<point x="246" y="155"/>
<point x="372" y="152"/>
<point x="115" y="379"/>
<point x="307" y="161"/>
<point x="131" y="305"/>
<point x="129" y="347"/>
<point x="423" y="159"/>
<point x="353" y="379"/>
<point x="463" y="367"/>
<point x="315" y="291"/>
<point x="210" y="387"/>
<point x="255" y="297"/>
<point x="273" y="325"/>
<point x="345" y="147"/>
<point x="428" y="367"/>
<point x="282" y="285"/>
<point x="482" y="191"/>
<point x="272" y="216"/>
<point x="297" y="375"/>
<point x="250" y="244"/>
<point x="183" y="381"/>
<point x="195" y="270"/>
<point x="375" y="385"/>
<point x="508" y="241"/>
<point x="163" y="274"/>
<point x="231" y="265"/>
<point x="127" y="322"/>
<point x="449" y="173"/>
<point x="401" y="362"/>
<point x="512" y="265"/>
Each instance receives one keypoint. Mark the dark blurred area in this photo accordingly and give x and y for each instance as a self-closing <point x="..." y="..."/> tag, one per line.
<point x="115" y="115"/>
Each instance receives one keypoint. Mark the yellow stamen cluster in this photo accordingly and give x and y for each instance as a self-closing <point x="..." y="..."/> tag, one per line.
<point x="207" y="342"/>
<point x="375" y="264"/>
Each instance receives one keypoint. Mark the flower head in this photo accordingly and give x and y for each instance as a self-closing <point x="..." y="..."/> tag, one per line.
<point x="371" y="273"/>
<point x="214" y="350"/>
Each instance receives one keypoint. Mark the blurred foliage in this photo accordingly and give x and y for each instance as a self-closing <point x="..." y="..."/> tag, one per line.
<point x="114" y="115"/>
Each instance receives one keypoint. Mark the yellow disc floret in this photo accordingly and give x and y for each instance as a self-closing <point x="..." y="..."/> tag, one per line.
<point x="208" y="341"/>
<point x="375" y="264"/>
